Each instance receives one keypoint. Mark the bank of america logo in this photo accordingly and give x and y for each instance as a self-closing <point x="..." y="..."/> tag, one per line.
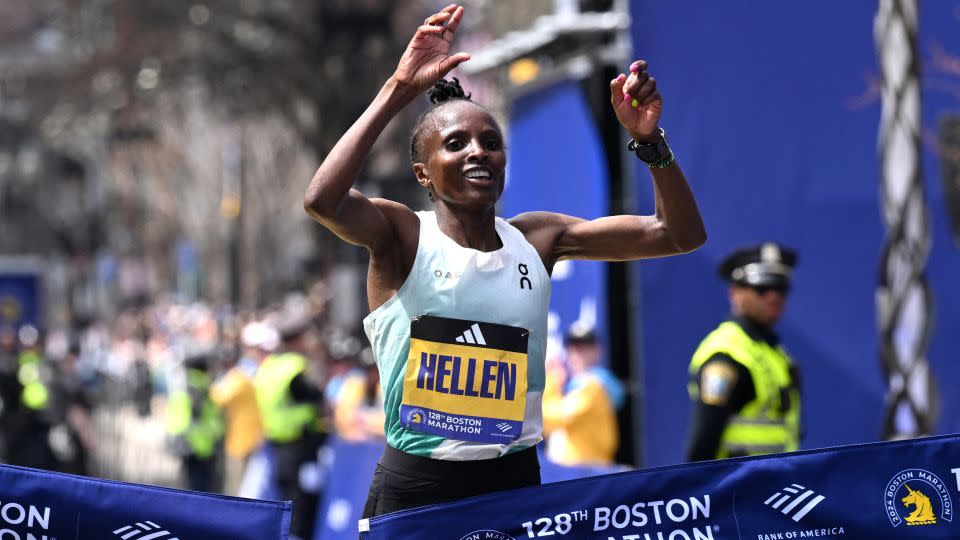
<point x="148" y="529"/>
<point x="504" y="427"/>
<point x="795" y="501"/>
<point x="472" y="335"/>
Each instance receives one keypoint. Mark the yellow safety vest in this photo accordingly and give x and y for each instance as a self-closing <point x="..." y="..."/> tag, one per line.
<point x="284" y="420"/>
<point x="35" y="395"/>
<point x="201" y="433"/>
<point x="765" y="425"/>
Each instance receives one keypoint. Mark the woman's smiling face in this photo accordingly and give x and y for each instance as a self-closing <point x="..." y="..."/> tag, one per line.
<point x="466" y="158"/>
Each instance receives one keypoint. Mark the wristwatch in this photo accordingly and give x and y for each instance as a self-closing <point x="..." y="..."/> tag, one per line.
<point x="656" y="154"/>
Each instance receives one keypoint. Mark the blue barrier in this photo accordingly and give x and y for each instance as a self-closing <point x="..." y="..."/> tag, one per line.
<point x="351" y="467"/>
<point x="891" y="490"/>
<point x="259" y="478"/>
<point x="41" y="505"/>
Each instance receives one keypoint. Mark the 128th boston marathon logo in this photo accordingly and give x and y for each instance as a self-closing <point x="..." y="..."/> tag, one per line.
<point x="917" y="497"/>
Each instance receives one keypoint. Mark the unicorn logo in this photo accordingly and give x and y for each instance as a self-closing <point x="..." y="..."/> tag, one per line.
<point x="416" y="416"/>
<point x="917" y="497"/>
<point x="922" y="509"/>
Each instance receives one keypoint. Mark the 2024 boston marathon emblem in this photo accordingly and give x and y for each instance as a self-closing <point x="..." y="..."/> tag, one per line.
<point x="465" y="380"/>
<point x="918" y="498"/>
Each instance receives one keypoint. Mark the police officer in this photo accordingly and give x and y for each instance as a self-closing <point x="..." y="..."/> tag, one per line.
<point x="289" y="403"/>
<point x="31" y="447"/>
<point x="744" y="386"/>
<point x="195" y="424"/>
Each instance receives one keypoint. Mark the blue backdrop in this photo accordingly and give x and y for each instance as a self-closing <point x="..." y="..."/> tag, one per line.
<point x="940" y="28"/>
<point x="770" y="109"/>
<point x="565" y="174"/>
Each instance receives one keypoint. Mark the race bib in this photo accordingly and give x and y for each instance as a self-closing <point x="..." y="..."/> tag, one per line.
<point x="465" y="380"/>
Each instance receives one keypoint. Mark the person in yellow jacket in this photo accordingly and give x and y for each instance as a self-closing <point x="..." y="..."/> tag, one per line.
<point x="235" y="393"/>
<point x="195" y="425"/>
<point x="290" y="408"/>
<point x="358" y="404"/>
<point x="745" y="387"/>
<point x="580" y="410"/>
<point x="30" y="447"/>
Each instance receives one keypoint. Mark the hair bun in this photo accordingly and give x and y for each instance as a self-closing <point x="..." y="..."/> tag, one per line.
<point x="444" y="90"/>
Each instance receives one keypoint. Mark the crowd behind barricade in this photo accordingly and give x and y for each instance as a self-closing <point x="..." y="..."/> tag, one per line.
<point x="189" y="394"/>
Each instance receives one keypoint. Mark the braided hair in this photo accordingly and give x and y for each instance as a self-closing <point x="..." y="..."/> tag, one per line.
<point x="443" y="91"/>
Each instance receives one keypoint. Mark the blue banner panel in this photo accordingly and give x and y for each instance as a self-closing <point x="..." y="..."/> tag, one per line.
<point x="351" y="467"/>
<point x="557" y="164"/>
<point x="259" y="478"/>
<point x="890" y="491"/>
<point x="41" y="505"/>
<point x="939" y="43"/>
<point x="20" y="299"/>
<point x="753" y="91"/>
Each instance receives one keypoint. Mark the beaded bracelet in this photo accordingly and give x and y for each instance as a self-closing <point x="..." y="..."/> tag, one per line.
<point x="663" y="162"/>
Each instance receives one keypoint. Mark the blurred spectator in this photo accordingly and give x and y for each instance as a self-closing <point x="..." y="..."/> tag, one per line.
<point x="744" y="385"/>
<point x="195" y="425"/>
<point x="341" y="350"/>
<point x="142" y="386"/>
<point x="580" y="404"/>
<point x="358" y="407"/>
<point x="290" y="409"/>
<point x="31" y="446"/>
<point x="234" y="392"/>
<point x="79" y="438"/>
<point x="11" y="414"/>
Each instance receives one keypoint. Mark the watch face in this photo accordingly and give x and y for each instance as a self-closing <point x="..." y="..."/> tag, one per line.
<point x="653" y="152"/>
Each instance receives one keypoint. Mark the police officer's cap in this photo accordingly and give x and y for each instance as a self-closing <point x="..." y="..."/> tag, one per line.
<point x="766" y="265"/>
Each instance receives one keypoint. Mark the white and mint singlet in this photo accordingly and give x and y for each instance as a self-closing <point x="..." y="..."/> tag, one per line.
<point x="467" y="384"/>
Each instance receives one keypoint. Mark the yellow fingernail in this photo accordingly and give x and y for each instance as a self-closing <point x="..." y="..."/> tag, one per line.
<point x="634" y="103"/>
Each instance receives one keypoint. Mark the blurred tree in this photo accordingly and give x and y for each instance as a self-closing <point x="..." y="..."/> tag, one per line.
<point x="199" y="123"/>
<point x="202" y="120"/>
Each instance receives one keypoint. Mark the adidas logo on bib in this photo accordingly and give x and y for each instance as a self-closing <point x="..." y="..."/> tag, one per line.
<point x="472" y="335"/>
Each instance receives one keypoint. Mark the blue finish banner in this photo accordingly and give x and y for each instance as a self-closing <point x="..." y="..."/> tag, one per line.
<point x="41" y="505"/>
<point x="890" y="490"/>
